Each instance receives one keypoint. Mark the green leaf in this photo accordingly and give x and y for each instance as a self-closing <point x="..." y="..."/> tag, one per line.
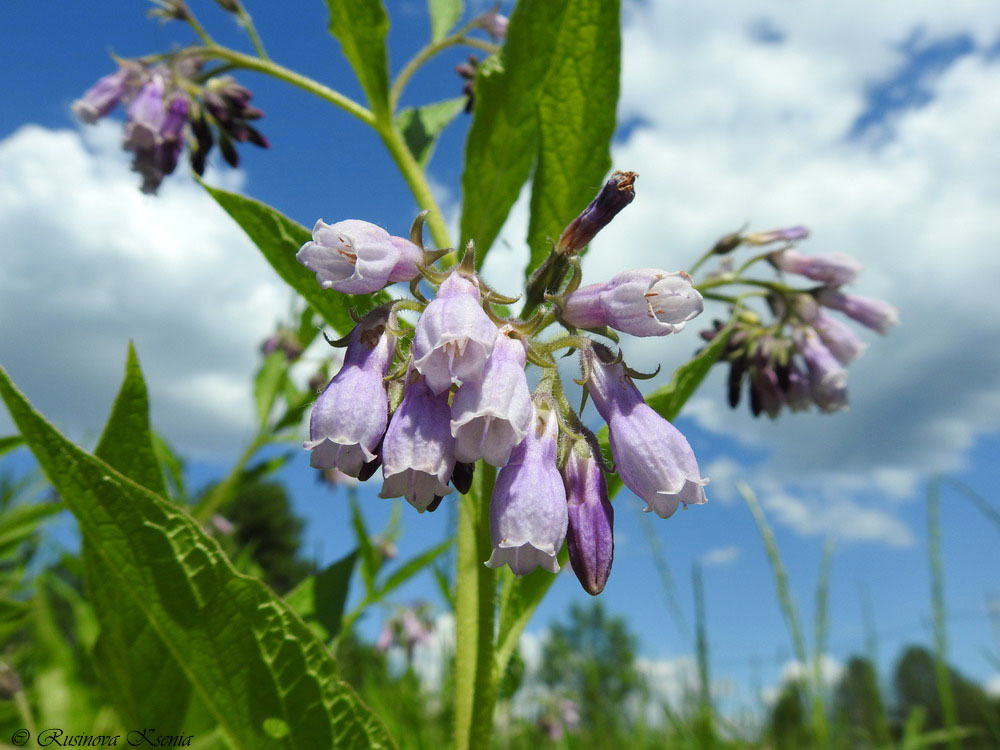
<point x="13" y="615"/>
<point x="444" y="586"/>
<point x="503" y="138"/>
<point x="18" y="524"/>
<point x="370" y="558"/>
<point x="146" y="685"/>
<point x="411" y="567"/>
<point x="444" y="16"/>
<point x="361" y="27"/>
<point x="9" y="443"/>
<point x="279" y="238"/>
<point x="421" y="126"/>
<point x="668" y="400"/>
<point x="173" y="467"/>
<point x="256" y="665"/>
<point x="267" y="382"/>
<point x="577" y="115"/>
<point x="319" y="599"/>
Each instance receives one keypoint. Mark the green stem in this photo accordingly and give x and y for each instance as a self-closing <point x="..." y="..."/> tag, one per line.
<point x="421" y="189"/>
<point x="198" y="29"/>
<point x="251" y="30"/>
<point x="945" y="693"/>
<point x="249" y="62"/>
<point x="426" y="54"/>
<point x="475" y="600"/>
<point x="701" y="261"/>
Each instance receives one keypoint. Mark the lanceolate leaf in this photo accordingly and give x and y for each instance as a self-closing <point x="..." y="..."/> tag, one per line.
<point x="503" y="138"/>
<point x="142" y="676"/>
<point x="668" y="400"/>
<point x="577" y="112"/>
<point x="421" y="126"/>
<point x="361" y="27"/>
<point x="320" y="598"/>
<point x="444" y="16"/>
<point x="261" y="671"/>
<point x="279" y="238"/>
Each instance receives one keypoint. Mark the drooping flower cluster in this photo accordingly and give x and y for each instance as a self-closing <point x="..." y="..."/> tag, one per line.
<point x="167" y="106"/>
<point x="425" y="403"/>
<point x="800" y="359"/>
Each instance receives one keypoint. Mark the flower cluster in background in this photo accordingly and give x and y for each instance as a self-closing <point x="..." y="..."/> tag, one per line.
<point x="424" y="403"/>
<point x="799" y="359"/>
<point x="168" y="105"/>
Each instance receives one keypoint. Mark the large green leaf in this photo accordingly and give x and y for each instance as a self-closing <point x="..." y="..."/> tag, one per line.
<point x="668" y="400"/>
<point x="503" y="138"/>
<point x="279" y="238"/>
<point x="444" y="16"/>
<point x="262" y="672"/>
<point x="361" y="27"/>
<point x="551" y="97"/>
<point x="18" y="524"/>
<point x="421" y="126"/>
<point x="319" y="599"/>
<point x="9" y="443"/>
<point x="577" y="113"/>
<point x="140" y="674"/>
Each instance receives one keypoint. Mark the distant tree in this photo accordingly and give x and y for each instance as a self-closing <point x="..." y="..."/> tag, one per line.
<point x="264" y="524"/>
<point x="592" y="658"/>
<point x="916" y="686"/>
<point x="859" y="707"/>
<point x="788" y="728"/>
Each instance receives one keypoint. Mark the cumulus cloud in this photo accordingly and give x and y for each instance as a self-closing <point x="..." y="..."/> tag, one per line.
<point x="719" y="556"/>
<point x="90" y="262"/>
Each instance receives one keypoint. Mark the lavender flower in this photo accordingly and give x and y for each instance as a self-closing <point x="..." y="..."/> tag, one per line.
<point x="765" y="393"/>
<point x="454" y="336"/>
<point x="146" y="114"/>
<point x="493" y="24"/>
<point x="418" y="453"/>
<point x="644" y="302"/>
<point x="653" y="458"/>
<point x="833" y="268"/>
<point x="492" y="415"/>
<point x="786" y="234"/>
<point x="827" y="377"/>
<point x="590" y="539"/>
<point x="341" y="435"/>
<point x="798" y="395"/>
<point x="528" y="514"/>
<point x="872" y="313"/>
<point x="842" y="342"/>
<point x="160" y="159"/>
<point x="355" y="257"/>
<point x="104" y="96"/>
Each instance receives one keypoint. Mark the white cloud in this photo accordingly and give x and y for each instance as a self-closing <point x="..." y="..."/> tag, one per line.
<point x="90" y="262"/>
<point x="830" y="672"/>
<point x="729" y="128"/>
<point x="720" y="556"/>
<point x="992" y="686"/>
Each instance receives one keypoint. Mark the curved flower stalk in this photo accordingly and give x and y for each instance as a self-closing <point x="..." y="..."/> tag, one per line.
<point x="653" y="458"/>
<point x="644" y="302"/>
<point x="357" y="257"/>
<point x="528" y="515"/>
<point x="492" y="415"/>
<point x="454" y="337"/>
<point x="418" y="453"/>
<point x="341" y="435"/>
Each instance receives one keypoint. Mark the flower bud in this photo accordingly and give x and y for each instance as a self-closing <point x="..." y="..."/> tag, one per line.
<point x="356" y="257"/>
<point x="787" y="234"/>
<point x="342" y="435"/>
<point x="454" y="336"/>
<point x="590" y="536"/>
<point x="653" y="458"/>
<point x="493" y="24"/>
<point x="528" y="514"/>
<point x="872" y="313"/>
<point x="827" y="377"/>
<point x="644" y="302"/>
<point x="617" y="193"/>
<point x="798" y="395"/>
<point x="833" y="268"/>
<point x="765" y="396"/>
<point x="492" y="415"/>
<point x="418" y="453"/>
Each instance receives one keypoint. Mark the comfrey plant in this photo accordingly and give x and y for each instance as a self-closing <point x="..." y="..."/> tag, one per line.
<point x="451" y="394"/>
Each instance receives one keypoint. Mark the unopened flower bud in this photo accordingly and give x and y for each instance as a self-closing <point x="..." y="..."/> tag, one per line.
<point x="590" y="536"/>
<point x="644" y="302"/>
<point x="454" y="336"/>
<point x="617" y="193"/>
<point x="492" y="415"/>
<point x="341" y="434"/>
<point x="653" y="458"/>
<point x="872" y="313"/>
<point x="418" y="453"/>
<point x="833" y="268"/>
<point x="356" y="257"/>
<point x="528" y="514"/>
<point x="787" y="234"/>
<point x="493" y="24"/>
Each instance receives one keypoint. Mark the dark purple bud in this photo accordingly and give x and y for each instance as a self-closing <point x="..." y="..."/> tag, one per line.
<point x="461" y="477"/>
<point x="736" y="370"/>
<point x="727" y="243"/>
<point x="228" y="150"/>
<point x="617" y="193"/>
<point x="254" y="136"/>
<point x="435" y="503"/>
<point x="369" y="468"/>
<point x="764" y="392"/>
<point x="590" y="534"/>
<point x="230" y="6"/>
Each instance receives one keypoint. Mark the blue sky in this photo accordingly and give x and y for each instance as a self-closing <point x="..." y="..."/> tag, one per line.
<point x="871" y="126"/>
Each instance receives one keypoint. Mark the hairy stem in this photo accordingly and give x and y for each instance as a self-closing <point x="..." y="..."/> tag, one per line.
<point x="426" y="54"/>
<point x="475" y="595"/>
